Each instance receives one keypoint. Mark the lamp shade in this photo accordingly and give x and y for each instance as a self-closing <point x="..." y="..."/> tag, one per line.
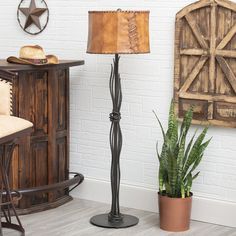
<point x="118" y="32"/>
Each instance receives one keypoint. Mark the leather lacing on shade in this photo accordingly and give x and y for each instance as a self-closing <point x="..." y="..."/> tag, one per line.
<point x="133" y="34"/>
<point x="6" y="97"/>
<point x="120" y="11"/>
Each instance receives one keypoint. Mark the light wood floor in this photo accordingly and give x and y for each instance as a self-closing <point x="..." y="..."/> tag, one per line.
<point x="72" y="219"/>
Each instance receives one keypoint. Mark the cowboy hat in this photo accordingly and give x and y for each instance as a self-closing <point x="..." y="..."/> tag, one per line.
<point x="33" y="55"/>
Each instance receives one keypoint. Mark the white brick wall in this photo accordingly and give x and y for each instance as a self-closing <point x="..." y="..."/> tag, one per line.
<point x="147" y="82"/>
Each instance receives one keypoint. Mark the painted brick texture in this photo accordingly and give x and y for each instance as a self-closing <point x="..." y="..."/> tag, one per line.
<point x="147" y="82"/>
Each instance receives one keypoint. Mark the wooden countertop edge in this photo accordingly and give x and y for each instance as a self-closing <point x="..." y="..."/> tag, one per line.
<point x="4" y="65"/>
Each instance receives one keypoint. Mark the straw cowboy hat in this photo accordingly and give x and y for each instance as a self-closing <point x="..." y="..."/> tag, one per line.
<point x="33" y="55"/>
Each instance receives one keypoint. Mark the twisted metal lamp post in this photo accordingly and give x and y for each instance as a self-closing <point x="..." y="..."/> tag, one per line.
<point x="117" y="32"/>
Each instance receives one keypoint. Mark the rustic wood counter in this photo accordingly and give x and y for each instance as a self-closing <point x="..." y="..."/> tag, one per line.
<point x="41" y="95"/>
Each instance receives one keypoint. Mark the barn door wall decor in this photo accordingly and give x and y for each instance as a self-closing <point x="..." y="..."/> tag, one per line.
<point x="205" y="62"/>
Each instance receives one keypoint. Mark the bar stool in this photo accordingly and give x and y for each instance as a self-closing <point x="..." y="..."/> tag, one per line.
<point x="11" y="130"/>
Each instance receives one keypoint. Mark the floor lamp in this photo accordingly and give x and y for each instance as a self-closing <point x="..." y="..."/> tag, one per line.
<point x="117" y="32"/>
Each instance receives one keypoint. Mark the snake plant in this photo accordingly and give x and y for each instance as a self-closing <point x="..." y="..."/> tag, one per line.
<point x="178" y="159"/>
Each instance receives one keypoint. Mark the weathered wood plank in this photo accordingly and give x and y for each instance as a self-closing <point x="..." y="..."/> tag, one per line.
<point x="228" y="72"/>
<point x="210" y="110"/>
<point x="222" y="86"/>
<point x="213" y="122"/>
<point x="226" y="4"/>
<point x="178" y="25"/>
<point x="193" y="52"/>
<point x="194" y="73"/>
<point x="226" y="53"/>
<point x="212" y="50"/>
<point x="212" y="98"/>
<point x="227" y="38"/>
<point x="196" y="30"/>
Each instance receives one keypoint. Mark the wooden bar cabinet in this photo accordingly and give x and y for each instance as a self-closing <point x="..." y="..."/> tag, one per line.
<point x="41" y="172"/>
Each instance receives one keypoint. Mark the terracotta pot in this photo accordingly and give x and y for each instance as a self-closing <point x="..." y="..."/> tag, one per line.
<point x="174" y="213"/>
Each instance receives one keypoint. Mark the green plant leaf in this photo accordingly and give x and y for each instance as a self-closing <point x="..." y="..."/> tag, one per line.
<point x="189" y="184"/>
<point x="172" y="170"/>
<point x="195" y="151"/>
<point x="189" y="147"/>
<point x="180" y="159"/>
<point x="182" y="190"/>
<point x="161" y="179"/>
<point x="172" y="132"/>
<point x="159" y="122"/>
<point x="196" y="175"/>
<point x="186" y="122"/>
<point x="158" y="155"/>
<point x="200" y="155"/>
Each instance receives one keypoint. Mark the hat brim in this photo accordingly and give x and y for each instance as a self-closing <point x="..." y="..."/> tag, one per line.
<point x="52" y="59"/>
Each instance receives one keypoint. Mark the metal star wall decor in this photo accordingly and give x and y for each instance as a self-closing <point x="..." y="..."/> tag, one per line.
<point x="33" y="18"/>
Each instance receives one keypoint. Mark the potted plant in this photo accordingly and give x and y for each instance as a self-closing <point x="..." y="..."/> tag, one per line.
<point x="178" y="162"/>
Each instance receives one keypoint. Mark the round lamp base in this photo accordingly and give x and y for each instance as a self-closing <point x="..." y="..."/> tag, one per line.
<point x="102" y="221"/>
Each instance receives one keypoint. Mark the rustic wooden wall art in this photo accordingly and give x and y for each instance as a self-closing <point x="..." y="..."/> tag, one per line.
<point x="205" y="62"/>
<point x="33" y="16"/>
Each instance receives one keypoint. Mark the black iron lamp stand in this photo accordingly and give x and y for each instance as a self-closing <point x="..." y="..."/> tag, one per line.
<point x="117" y="32"/>
<point x="115" y="219"/>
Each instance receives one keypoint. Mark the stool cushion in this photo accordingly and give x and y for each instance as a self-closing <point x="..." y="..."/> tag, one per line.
<point x="11" y="124"/>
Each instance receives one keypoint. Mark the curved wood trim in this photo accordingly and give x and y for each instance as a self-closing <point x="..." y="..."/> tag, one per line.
<point x="76" y="180"/>
<point x="231" y="5"/>
<point x="204" y="3"/>
<point x="192" y="7"/>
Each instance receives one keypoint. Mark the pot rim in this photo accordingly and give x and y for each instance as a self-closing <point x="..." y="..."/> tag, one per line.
<point x="191" y="195"/>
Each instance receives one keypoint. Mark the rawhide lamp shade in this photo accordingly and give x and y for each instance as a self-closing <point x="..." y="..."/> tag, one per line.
<point x="123" y="32"/>
<point x="117" y="32"/>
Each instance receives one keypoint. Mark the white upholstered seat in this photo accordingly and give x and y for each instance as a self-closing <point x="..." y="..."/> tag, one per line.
<point x="11" y="124"/>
